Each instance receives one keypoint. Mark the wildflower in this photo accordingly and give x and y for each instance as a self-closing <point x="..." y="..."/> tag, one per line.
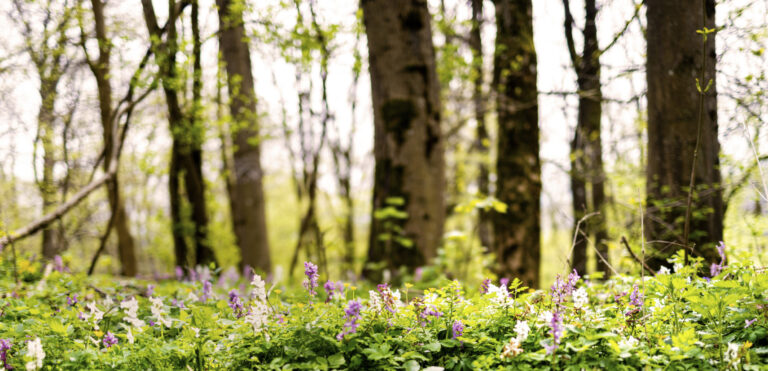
<point x="636" y="297"/>
<point x="544" y="318"/>
<point x="511" y="349"/>
<point x="109" y="340"/>
<point x="500" y="294"/>
<point x="374" y="301"/>
<point x="732" y="354"/>
<point x="556" y="330"/>
<point x="5" y="346"/>
<point x="236" y="304"/>
<point x="330" y="288"/>
<point x="504" y="282"/>
<point x="207" y="291"/>
<point x="484" y="286"/>
<point x="192" y="297"/>
<point x="629" y="343"/>
<point x="458" y="329"/>
<point x="310" y="270"/>
<point x="387" y="297"/>
<point x="749" y="322"/>
<point x="351" y="314"/>
<point x="663" y="270"/>
<point x="96" y="314"/>
<point x="259" y="288"/>
<point x="36" y="353"/>
<point x="150" y="290"/>
<point x="158" y="311"/>
<point x="418" y="274"/>
<point x="130" y="306"/>
<point x="71" y="299"/>
<point x="179" y="273"/>
<point x="58" y="263"/>
<point x="129" y="336"/>
<point x="522" y="330"/>
<point x="178" y="303"/>
<point x="580" y="298"/>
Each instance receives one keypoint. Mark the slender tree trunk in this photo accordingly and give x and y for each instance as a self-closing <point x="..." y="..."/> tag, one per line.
<point x="482" y="141"/>
<point x="408" y="139"/>
<point x="677" y="57"/>
<point x="101" y="70"/>
<point x="517" y="232"/>
<point x="249" y="216"/>
<point x="187" y="132"/>
<point x="47" y="187"/>
<point x="586" y="148"/>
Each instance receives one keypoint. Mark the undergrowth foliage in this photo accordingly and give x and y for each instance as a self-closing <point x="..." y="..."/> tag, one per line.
<point x="205" y="320"/>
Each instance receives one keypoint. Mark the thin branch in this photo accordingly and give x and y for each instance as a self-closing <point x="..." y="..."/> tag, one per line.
<point x="632" y="254"/>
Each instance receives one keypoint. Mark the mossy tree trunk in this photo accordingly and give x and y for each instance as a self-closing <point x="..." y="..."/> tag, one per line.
<point x="677" y="56"/>
<point x="517" y="232"/>
<point x="408" y="142"/>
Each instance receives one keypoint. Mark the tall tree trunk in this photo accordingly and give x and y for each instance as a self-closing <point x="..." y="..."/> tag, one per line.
<point x="47" y="187"/>
<point x="517" y="232"/>
<point x="482" y="141"/>
<point x="101" y="70"/>
<point x="248" y="213"/>
<point x="586" y="147"/>
<point x="677" y="56"/>
<point x="187" y="132"/>
<point x="408" y="139"/>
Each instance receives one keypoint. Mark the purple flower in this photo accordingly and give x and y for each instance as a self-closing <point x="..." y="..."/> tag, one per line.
<point x="418" y="273"/>
<point x="484" y="286"/>
<point x="636" y="297"/>
<point x="504" y="282"/>
<point x="351" y="314"/>
<point x="556" y="330"/>
<point x="58" y="263"/>
<point x="721" y="251"/>
<point x="109" y="340"/>
<point x="310" y="270"/>
<point x="72" y="299"/>
<point x="715" y="270"/>
<point x="179" y="273"/>
<point x="5" y="346"/>
<point x="207" y="291"/>
<point x="573" y="278"/>
<point x="150" y="290"/>
<point x="458" y="329"/>
<point x="332" y="289"/>
<point x="81" y="316"/>
<point x="178" y="303"/>
<point x="749" y="322"/>
<point x="236" y="304"/>
<point x="387" y="297"/>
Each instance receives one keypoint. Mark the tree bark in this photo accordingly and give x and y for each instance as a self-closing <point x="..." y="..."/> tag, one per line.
<point x="677" y="57"/>
<point x="408" y="139"/>
<point x="47" y="187"/>
<point x="248" y="213"/>
<point x="101" y="71"/>
<point x="482" y="140"/>
<point x="186" y="152"/>
<point x="586" y="147"/>
<point x="517" y="232"/>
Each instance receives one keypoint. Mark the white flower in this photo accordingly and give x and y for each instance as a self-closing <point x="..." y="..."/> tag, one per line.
<point x="629" y="343"/>
<point x="677" y="267"/>
<point x="129" y="336"/>
<point x="108" y="301"/>
<point x="192" y="298"/>
<point x="95" y="314"/>
<point x="258" y="316"/>
<point x="374" y="302"/>
<point x="158" y="311"/>
<point x="131" y="307"/>
<point x="196" y="331"/>
<point x="36" y="353"/>
<point x="580" y="298"/>
<point x="544" y="318"/>
<point x="522" y="330"/>
<point x="732" y="353"/>
<point x="663" y="270"/>
<point x="500" y="295"/>
<point x="259" y="288"/>
<point x="135" y="322"/>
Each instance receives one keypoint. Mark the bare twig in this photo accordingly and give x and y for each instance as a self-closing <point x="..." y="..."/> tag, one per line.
<point x="632" y="254"/>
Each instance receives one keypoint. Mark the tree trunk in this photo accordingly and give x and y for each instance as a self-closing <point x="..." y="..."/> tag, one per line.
<point x="408" y="139"/>
<point x="101" y="70"/>
<point x="248" y="213"/>
<point x="517" y="232"/>
<point x="677" y="57"/>
<point x="186" y="152"/>
<point x="482" y="141"/>
<point x="47" y="187"/>
<point x="586" y="147"/>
